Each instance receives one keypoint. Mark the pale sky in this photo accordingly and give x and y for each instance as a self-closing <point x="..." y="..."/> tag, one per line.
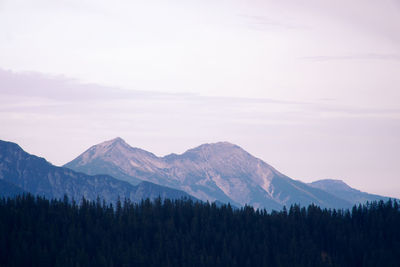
<point x="311" y="87"/>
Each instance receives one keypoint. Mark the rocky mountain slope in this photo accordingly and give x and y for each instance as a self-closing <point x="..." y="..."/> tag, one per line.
<point x="8" y="189"/>
<point x="23" y="172"/>
<point x="220" y="171"/>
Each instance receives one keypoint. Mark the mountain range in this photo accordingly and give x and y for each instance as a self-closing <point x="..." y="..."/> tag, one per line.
<point x="220" y="172"/>
<point x="215" y="172"/>
<point x="22" y="172"/>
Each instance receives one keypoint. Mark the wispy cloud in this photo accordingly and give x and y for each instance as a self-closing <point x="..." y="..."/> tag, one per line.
<point x="46" y="94"/>
<point x="341" y="111"/>
<point x="57" y="87"/>
<point x="61" y="88"/>
<point x="369" y="56"/>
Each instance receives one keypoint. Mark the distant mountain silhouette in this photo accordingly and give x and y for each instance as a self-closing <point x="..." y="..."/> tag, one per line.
<point x="220" y="171"/>
<point x="23" y="172"/>
<point x="340" y="189"/>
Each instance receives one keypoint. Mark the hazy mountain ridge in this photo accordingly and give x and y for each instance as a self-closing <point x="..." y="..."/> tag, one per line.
<point x="342" y="190"/>
<point x="220" y="171"/>
<point x="29" y="173"/>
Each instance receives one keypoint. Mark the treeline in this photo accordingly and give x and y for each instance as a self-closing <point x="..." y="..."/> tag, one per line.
<point x="38" y="232"/>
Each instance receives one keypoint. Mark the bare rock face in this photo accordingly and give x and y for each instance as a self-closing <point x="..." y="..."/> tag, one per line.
<point x="23" y="172"/>
<point x="118" y="159"/>
<point x="220" y="171"/>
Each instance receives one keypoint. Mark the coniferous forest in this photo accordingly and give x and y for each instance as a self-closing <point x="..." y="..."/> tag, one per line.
<point x="35" y="231"/>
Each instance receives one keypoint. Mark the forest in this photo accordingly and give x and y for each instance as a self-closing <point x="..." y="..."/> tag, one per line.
<point x="35" y="231"/>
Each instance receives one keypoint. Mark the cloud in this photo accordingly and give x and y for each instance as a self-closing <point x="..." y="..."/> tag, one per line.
<point x="39" y="93"/>
<point x="62" y="88"/>
<point x="58" y="87"/>
<point x="369" y="56"/>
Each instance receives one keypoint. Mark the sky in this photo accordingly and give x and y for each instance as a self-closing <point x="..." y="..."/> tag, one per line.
<point x="311" y="87"/>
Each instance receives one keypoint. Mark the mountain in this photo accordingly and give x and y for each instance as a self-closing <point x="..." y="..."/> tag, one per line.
<point x="149" y="190"/>
<point x="9" y="190"/>
<point x="115" y="158"/>
<point x="23" y="172"/>
<point x="220" y="171"/>
<point x="340" y="189"/>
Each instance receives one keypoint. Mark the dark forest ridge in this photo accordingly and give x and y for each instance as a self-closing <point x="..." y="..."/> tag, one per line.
<point x="37" y="232"/>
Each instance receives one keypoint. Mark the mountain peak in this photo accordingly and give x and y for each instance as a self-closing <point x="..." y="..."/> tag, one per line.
<point x="116" y="140"/>
<point x="220" y="151"/>
<point x="104" y="148"/>
<point x="221" y="144"/>
<point x="100" y="159"/>
<point x="108" y="145"/>
<point x="331" y="184"/>
<point x="214" y="147"/>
